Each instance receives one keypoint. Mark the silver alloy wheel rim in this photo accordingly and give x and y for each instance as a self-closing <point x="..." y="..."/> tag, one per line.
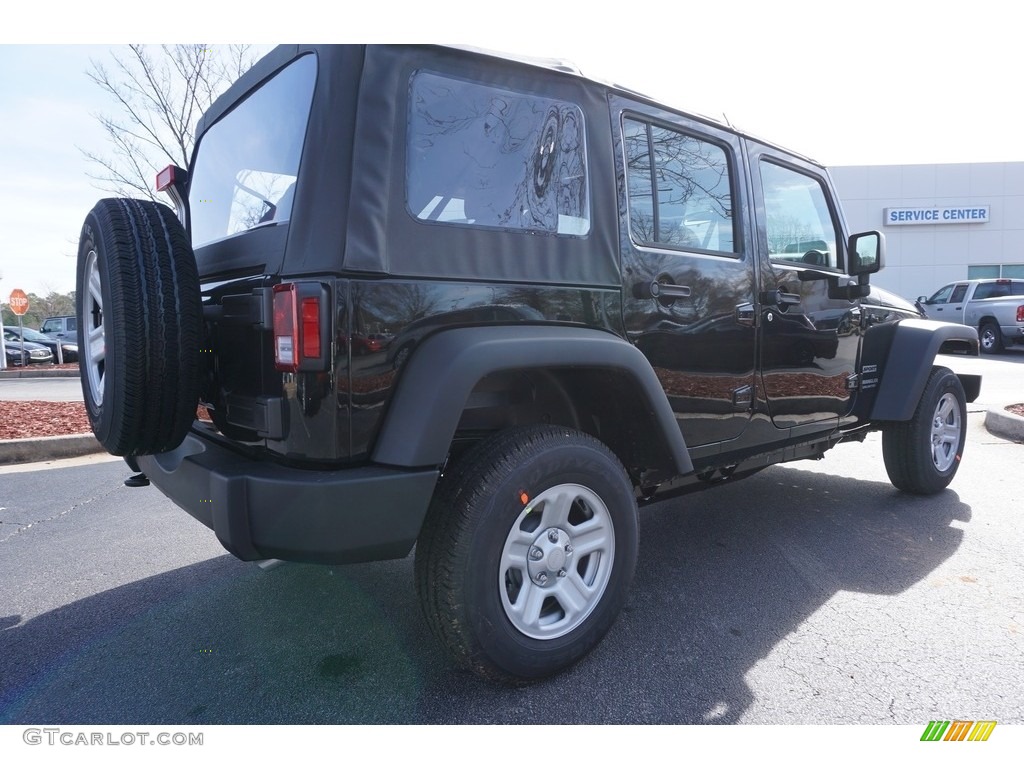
<point x="946" y="432"/>
<point x="557" y="561"/>
<point x="92" y="321"/>
<point x="988" y="339"/>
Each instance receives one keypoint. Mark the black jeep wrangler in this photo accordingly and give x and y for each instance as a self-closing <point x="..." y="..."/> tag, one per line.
<point x="434" y="296"/>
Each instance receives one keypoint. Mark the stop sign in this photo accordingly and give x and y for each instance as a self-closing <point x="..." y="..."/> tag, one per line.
<point x="19" y="302"/>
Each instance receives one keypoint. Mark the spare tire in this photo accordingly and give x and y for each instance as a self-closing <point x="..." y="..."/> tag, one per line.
<point x="139" y="326"/>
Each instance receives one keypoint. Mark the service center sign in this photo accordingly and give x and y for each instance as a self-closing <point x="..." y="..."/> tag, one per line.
<point x="975" y="214"/>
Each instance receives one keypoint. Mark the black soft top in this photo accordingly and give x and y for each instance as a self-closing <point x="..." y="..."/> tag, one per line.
<point x="350" y="212"/>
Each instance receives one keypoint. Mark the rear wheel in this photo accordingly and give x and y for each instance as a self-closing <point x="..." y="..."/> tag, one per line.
<point x="922" y="455"/>
<point x="990" y="338"/>
<point x="528" y="552"/>
<point x="139" y="328"/>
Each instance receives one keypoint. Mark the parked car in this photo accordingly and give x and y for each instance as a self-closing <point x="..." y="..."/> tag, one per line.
<point x="24" y="352"/>
<point x="995" y="306"/>
<point x="520" y="227"/>
<point x="64" y="327"/>
<point x="69" y="351"/>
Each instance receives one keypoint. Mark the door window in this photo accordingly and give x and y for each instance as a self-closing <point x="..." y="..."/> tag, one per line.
<point x="798" y="219"/>
<point x="942" y="295"/>
<point x="679" y="190"/>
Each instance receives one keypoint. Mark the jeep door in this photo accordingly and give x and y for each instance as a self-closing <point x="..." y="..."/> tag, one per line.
<point x="809" y="341"/>
<point x="688" y="267"/>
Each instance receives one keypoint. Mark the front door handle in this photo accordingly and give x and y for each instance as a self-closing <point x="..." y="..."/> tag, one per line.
<point x="670" y="289"/>
<point x="781" y="298"/>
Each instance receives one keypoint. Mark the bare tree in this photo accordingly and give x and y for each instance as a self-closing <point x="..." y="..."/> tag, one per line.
<point x="159" y="94"/>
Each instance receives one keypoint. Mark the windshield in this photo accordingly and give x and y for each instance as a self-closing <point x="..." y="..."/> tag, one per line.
<point x="247" y="163"/>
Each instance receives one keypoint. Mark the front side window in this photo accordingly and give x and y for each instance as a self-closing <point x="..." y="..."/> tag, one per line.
<point x="799" y="223"/>
<point x="942" y="295"/>
<point x="482" y="156"/>
<point x="679" y="190"/>
<point x="247" y="163"/>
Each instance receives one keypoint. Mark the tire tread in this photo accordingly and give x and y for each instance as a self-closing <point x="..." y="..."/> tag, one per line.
<point x="153" y="323"/>
<point x="442" y="550"/>
<point x="906" y="451"/>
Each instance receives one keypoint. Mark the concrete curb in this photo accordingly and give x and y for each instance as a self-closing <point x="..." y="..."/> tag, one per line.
<point x="1001" y="423"/>
<point x="45" y="373"/>
<point x="47" y="448"/>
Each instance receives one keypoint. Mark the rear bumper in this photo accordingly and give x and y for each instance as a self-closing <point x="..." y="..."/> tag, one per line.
<point x="1013" y="334"/>
<point x="260" y="509"/>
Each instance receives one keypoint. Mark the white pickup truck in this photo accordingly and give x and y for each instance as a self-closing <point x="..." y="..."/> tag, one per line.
<point x="994" y="306"/>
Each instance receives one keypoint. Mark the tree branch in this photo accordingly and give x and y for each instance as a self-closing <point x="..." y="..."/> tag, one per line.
<point x="158" y="96"/>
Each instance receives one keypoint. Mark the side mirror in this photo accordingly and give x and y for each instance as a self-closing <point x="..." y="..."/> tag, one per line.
<point x="866" y="253"/>
<point x="922" y="299"/>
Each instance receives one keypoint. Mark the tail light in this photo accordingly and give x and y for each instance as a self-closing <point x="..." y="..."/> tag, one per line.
<point x="172" y="180"/>
<point x="301" y="327"/>
<point x="1020" y="314"/>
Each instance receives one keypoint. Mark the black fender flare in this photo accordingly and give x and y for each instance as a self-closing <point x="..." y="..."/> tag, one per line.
<point x="436" y="382"/>
<point x="909" y="364"/>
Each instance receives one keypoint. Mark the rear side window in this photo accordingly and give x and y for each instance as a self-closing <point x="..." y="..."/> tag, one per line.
<point x="482" y="156"/>
<point x="247" y="163"/>
<point x="680" y="195"/>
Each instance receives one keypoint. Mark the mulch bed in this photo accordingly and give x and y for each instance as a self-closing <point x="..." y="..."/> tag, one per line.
<point x="20" y="419"/>
<point x="39" y="418"/>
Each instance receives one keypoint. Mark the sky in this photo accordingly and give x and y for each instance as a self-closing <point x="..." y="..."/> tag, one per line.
<point x="864" y="83"/>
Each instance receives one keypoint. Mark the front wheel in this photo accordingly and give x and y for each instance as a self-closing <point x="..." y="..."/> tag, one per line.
<point x="528" y="552"/>
<point x="922" y="455"/>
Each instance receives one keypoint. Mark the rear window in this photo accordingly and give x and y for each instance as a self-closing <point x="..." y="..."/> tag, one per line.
<point x="481" y="156"/>
<point x="1000" y="289"/>
<point x="247" y="163"/>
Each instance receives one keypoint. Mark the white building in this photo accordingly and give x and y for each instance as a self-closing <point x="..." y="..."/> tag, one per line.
<point x="941" y="222"/>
